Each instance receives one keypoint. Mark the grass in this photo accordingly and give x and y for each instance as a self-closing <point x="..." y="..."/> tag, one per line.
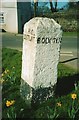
<point x="70" y="33"/>
<point x="62" y="105"/>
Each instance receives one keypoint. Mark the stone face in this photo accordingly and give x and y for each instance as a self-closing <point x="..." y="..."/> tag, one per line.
<point x="41" y="48"/>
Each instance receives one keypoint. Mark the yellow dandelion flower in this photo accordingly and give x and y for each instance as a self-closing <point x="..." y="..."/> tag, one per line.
<point x="59" y="104"/>
<point x="73" y="96"/>
<point x="12" y="102"/>
<point x="9" y="103"/>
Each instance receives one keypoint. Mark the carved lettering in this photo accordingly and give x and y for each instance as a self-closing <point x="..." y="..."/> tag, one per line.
<point x="46" y="40"/>
<point x="38" y="40"/>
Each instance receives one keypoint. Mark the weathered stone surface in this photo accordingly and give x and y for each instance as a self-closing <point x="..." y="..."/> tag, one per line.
<point x="40" y="59"/>
<point x="41" y="48"/>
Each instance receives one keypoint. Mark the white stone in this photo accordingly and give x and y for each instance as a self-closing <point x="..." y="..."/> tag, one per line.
<point x="41" y="49"/>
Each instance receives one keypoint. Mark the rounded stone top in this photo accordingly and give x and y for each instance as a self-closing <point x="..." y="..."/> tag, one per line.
<point x="42" y="29"/>
<point x="42" y="22"/>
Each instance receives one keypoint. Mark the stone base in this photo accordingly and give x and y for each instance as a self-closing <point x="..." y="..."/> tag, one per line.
<point x="35" y="97"/>
<point x="26" y="92"/>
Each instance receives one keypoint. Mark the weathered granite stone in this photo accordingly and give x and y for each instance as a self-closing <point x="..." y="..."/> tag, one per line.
<point x="41" y="48"/>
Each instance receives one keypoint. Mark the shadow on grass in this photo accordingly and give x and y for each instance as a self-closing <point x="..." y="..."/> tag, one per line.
<point x="65" y="85"/>
<point x="69" y="60"/>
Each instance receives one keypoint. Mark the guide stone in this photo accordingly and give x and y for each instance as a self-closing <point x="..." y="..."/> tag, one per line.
<point x="40" y="57"/>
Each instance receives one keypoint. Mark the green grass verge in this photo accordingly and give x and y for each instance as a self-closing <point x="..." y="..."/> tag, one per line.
<point x="59" y="106"/>
<point x="69" y="33"/>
